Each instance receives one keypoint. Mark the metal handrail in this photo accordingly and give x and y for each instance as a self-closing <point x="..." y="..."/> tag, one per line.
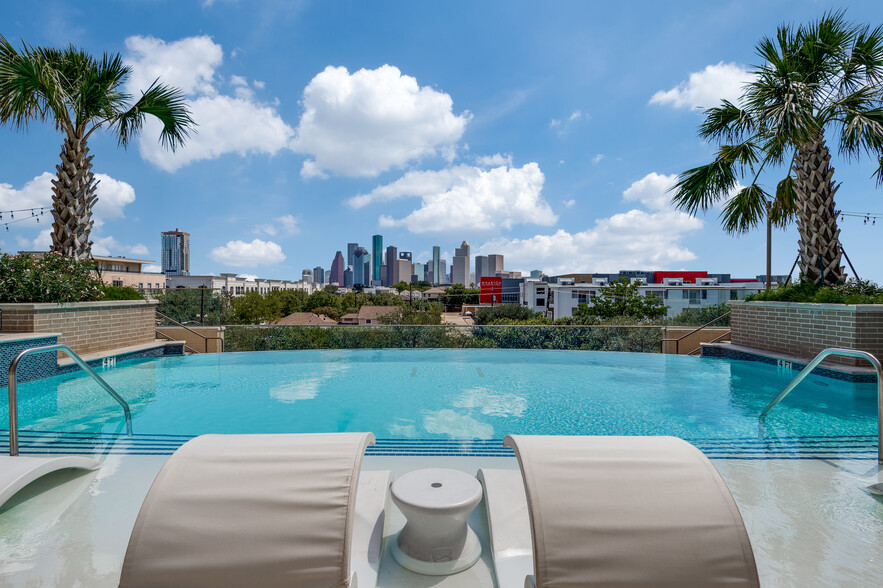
<point x="814" y="363"/>
<point x="13" y="403"/>
<point x="197" y="333"/>
<point x="696" y="330"/>
<point x="715" y="340"/>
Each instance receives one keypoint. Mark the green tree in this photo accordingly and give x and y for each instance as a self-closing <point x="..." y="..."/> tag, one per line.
<point x="80" y="94"/>
<point x="510" y="313"/>
<point x="816" y="78"/>
<point x="454" y="295"/>
<point x="620" y="299"/>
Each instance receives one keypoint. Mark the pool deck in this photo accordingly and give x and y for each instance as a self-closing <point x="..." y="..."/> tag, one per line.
<point x="811" y="522"/>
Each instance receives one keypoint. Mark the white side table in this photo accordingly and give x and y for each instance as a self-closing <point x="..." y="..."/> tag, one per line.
<point x="436" y="541"/>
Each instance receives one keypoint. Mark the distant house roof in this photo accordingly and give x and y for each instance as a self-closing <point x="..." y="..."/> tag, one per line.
<point x="350" y="319"/>
<point x="435" y="290"/>
<point x="374" y="312"/>
<point x="305" y="318"/>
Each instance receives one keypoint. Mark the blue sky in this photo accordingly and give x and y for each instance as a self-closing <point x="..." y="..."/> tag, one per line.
<point x="547" y="132"/>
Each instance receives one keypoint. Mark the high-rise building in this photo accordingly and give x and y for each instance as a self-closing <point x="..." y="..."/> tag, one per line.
<point x="348" y="277"/>
<point x="404" y="271"/>
<point x="442" y="272"/>
<point x="319" y="274"/>
<point x="360" y="262"/>
<point x="392" y="266"/>
<point x="496" y="264"/>
<point x="366" y="271"/>
<point x="460" y="266"/>
<point x="337" y="268"/>
<point x="307" y="275"/>
<point x="536" y="274"/>
<point x="482" y="268"/>
<point x="406" y="255"/>
<point x="176" y="253"/>
<point x="350" y="251"/>
<point x="437" y="273"/>
<point x="376" y="257"/>
<point x="419" y="272"/>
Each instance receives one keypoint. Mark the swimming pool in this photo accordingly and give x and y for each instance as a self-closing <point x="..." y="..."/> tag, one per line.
<point x="450" y="402"/>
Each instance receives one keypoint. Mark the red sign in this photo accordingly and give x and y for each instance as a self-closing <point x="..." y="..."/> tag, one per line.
<point x="491" y="291"/>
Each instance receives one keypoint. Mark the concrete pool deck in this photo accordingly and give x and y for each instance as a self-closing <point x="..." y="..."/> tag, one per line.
<point x="811" y="522"/>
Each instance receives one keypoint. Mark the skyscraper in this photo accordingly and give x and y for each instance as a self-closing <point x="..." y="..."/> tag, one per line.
<point x="461" y="264"/>
<point x="482" y="268"/>
<point x="319" y="274"/>
<point x="350" y="251"/>
<point x="348" y="277"/>
<point x="392" y="266"/>
<point x="436" y="267"/>
<point x="307" y="275"/>
<point x="443" y="272"/>
<point x="176" y="253"/>
<point x="406" y="255"/>
<point x="496" y="264"/>
<point x="404" y="271"/>
<point x="419" y="272"/>
<point x="360" y="261"/>
<point x="337" y="268"/>
<point x="376" y="257"/>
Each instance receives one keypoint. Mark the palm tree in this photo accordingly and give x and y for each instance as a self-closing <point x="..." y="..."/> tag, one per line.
<point x="820" y="78"/>
<point x="80" y="94"/>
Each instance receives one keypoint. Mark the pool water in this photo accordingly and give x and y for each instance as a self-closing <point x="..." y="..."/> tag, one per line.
<point x="450" y="402"/>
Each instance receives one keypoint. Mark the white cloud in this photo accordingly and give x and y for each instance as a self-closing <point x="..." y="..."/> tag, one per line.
<point x="226" y="124"/>
<point x="564" y="125"/>
<point x="597" y="159"/>
<point x="575" y="115"/>
<point x="258" y="84"/>
<point x="109" y="245"/>
<point x="113" y="196"/>
<point x="651" y="190"/>
<point x="188" y="64"/>
<point x="568" y="203"/>
<point x="495" y="160"/>
<point x="636" y="238"/>
<point x="240" y="253"/>
<point x="151" y="268"/>
<point x="248" y="277"/>
<point x="367" y="122"/>
<point x="706" y="88"/>
<point x="466" y="198"/>
<point x="554" y="123"/>
<point x="286" y="225"/>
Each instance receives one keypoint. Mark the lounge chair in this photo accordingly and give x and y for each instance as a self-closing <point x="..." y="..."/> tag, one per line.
<point x="618" y="511"/>
<point x="261" y="510"/>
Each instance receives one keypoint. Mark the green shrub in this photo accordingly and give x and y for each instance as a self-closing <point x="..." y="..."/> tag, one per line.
<point x="487" y="315"/>
<point x="120" y="293"/>
<point x="48" y="278"/>
<point x="851" y="292"/>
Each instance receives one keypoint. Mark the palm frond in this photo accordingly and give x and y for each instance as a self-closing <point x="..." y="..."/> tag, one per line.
<point x="784" y="206"/>
<point x="701" y="187"/>
<point x="166" y="104"/>
<point x="862" y="131"/>
<point x="726" y="122"/>
<point x="745" y="210"/>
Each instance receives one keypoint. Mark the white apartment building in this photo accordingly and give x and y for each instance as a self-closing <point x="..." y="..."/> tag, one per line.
<point x="560" y="300"/>
<point x="238" y="285"/>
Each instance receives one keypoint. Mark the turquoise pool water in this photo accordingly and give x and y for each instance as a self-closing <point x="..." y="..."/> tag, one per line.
<point x="450" y="401"/>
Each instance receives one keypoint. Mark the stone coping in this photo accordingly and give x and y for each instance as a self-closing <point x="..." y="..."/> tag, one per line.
<point x="65" y="360"/>
<point x="828" y="368"/>
<point x="49" y="306"/>
<point x="811" y="305"/>
<point x="10" y="337"/>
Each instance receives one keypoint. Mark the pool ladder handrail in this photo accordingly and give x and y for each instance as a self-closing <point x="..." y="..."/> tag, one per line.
<point x="814" y="363"/>
<point x="13" y="402"/>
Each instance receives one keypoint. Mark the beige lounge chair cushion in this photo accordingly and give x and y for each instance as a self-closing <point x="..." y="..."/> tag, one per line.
<point x="249" y="510"/>
<point x="630" y="511"/>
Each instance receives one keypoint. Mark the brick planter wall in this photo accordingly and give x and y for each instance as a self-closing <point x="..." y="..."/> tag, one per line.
<point x="87" y="327"/>
<point x="805" y="329"/>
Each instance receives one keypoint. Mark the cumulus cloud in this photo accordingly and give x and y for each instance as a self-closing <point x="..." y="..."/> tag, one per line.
<point x="706" y="88"/>
<point x="113" y="196"/>
<point x="634" y="238"/>
<point x="651" y="190"/>
<point x="564" y="125"/>
<point x="240" y="253"/>
<point x="466" y="198"/>
<point x="367" y="122"/>
<point x="285" y="225"/>
<point x="151" y="268"/>
<point x="598" y="158"/>
<point x="111" y="246"/>
<point x="226" y="124"/>
<point x="495" y="160"/>
<point x="568" y="203"/>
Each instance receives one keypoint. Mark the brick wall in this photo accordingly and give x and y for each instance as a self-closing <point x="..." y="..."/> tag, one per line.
<point x="87" y="327"/>
<point x="805" y="329"/>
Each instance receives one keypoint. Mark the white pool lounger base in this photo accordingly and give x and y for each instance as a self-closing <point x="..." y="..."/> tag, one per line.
<point x="18" y="471"/>
<point x="509" y="525"/>
<point x="261" y="510"/>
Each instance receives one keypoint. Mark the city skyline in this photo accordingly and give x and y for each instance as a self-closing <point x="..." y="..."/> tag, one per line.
<point x="561" y="161"/>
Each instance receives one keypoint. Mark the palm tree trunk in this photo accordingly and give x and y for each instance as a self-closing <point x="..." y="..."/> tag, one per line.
<point x="73" y="196"/>
<point x="819" y="243"/>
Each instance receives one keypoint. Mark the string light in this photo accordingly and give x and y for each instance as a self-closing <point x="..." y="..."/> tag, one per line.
<point x="867" y="217"/>
<point x="36" y="213"/>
